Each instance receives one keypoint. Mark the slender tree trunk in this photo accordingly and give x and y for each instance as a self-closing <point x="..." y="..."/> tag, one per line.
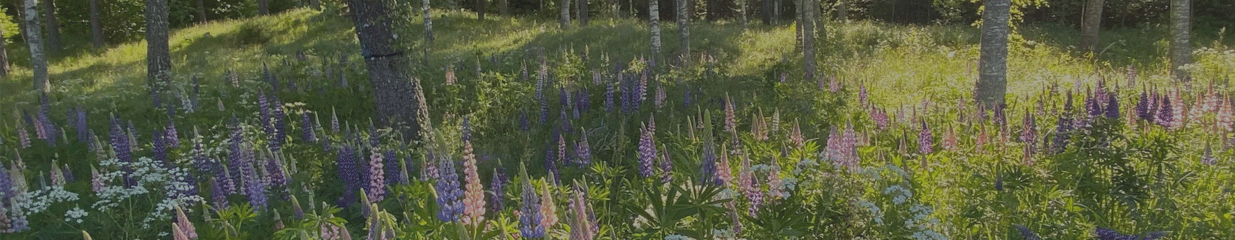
<point x="96" y="27"/>
<point x="263" y="7"/>
<point x="808" y="40"/>
<point x="993" y="66"/>
<point x="503" y="7"/>
<point x="776" y="8"/>
<point x="1181" y="28"/>
<point x="201" y="11"/>
<point x="428" y="22"/>
<point x="565" y="20"/>
<point x="1090" y="25"/>
<point x="742" y="10"/>
<point x="4" y="56"/>
<point x="38" y="61"/>
<point x="388" y="67"/>
<point x="582" y="12"/>
<point x="800" y="6"/>
<point x="842" y="10"/>
<point x="654" y="23"/>
<point x="684" y="30"/>
<point x="158" y="55"/>
<point x="53" y="28"/>
<point x="480" y="9"/>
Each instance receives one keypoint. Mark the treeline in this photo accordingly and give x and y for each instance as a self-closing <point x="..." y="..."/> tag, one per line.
<point x="124" y="20"/>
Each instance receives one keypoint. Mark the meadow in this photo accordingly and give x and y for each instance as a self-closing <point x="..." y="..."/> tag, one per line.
<point x="538" y="132"/>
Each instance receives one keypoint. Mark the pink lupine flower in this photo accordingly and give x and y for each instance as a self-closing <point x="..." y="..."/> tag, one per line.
<point x="184" y="225"/>
<point x="730" y="119"/>
<point x="1225" y="113"/>
<point x="547" y="209"/>
<point x="377" y="176"/>
<point x="474" y="196"/>
<point x="796" y="136"/>
<point x="96" y="181"/>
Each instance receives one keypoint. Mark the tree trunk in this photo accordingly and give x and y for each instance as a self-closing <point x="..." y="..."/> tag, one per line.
<point x="684" y="30"/>
<point x="96" y="27"/>
<point x="1181" y="27"/>
<point x="388" y="67"/>
<point x="201" y="11"/>
<point x="842" y="11"/>
<point x="158" y="55"/>
<point x="808" y="40"/>
<point x="993" y="80"/>
<point x="565" y="20"/>
<point x="582" y="11"/>
<point x="503" y="7"/>
<point x="428" y="22"/>
<point x="4" y="56"/>
<point x="53" y="29"/>
<point x="38" y="61"/>
<point x="776" y="8"/>
<point x="480" y="9"/>
<point x="263" y="7"/>
<point x="797" y="28"/>
<point x="654" y="23"/>
<point x="742" y="10"/>
<point x="1090" y="25"/>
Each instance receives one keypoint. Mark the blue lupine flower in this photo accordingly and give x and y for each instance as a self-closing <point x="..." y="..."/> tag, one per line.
<point x="530" y="216"/>
<point x="160" y="148"/>
<point x="306" y="125"/>
<point x="466" y="129"/>
<point x="349" y="173"/>
<point x="497" y="184"/>
<point x="524" y="125"/>
<point x="392" y="168"/>
<point x="1112" y="108"/>
<point x="450" y="196"/>
<point x="1142" y="107"/>
<point x="1108" y="234"/>
<point x="80" y="125"/>
<point x="609" y="97"/>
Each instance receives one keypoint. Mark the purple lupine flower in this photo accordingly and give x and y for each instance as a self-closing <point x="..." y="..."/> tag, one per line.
<point x="374" y="139"/>
<point x="40" y="127"/>
<point x="497" y="184"/>
<point x="306" y="125"/>
<point x="641" y="91"/>
<point x="160" y="148"/>
<point x="392" y="167"/>
<point x="202" y="163"/>
<point x="544" y="112"/>
<point x="6" y="184"/>
<point x="1142" y="107"/>
<point x="254" y="186"/>
<point x="754" y="193"/>
<point x="529" y="215"/>
<point x="450" y="196"/>
<point x="551" y="163"/>
<point x="263" y="106"/>
<point x="334" y="121"/>
<point x="1000" y="119"/>
<point x="583" y="152"/>
<point x="864" y="96"/>
<point x="80" y="125"/>
<point x="563" y="96"/>
<point x="609" y="97"/>
<point x="278" y="178"/>
<point x="279" y="124"/>
<point x="466" y="129"/>
<point x="349" y="173"/>
<point x="647" y="149"/>
<point x="1062" y="135"/>
<point x="1112" y="108"/>
<point x="173" y="137"/>
<point x="68" y="173"/>
<point x="1029" y="135"/>
<point x="1092" y="106"/>
<point x="235" y="156"/>
<point x="561" y="150"/>
<point x="924" y="139"/>
<point x="1166" y="114"/>
<point x="585" y="100"/>
<point x="120" y="142"/>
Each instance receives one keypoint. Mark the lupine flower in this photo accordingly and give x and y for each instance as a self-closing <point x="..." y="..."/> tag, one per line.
<point x="449" y="195"/>
<point x="498" y="187"/>
<point x="23" y="136"/>
<point x="583" y="153"/>
<point x="1112" y="108"/>
<point x="548" y="210"/>
<point x="530" y="215"/>
<point x="949" y="141"/>
<point x="660" y="96"/>
<point x="1062" y="134"/>
<point x="1000" y="119"/>
<point x="1225" y="115"/>
<point x="306" y="126"/>
<point x="173" y="137"/>
<point x="1208" y="157"/>
<point x="280" y="125"/>
<point x="349" y="173"/>
<point x="1179" y="109"/>
<point x="863" y="95"/>
<point x="184" y="225"/>
<point x="544" y="112"/>
<point x="57" y="176"/>
<point x="334" y="121"/>
<point x="263" y="106"/>
<point x="466" y="129"/>
<point x="429" y="171"/>
<point x="474" y="196"/>
<point x="1142" y="107"/>
<point x="754" y="193"/>
<point x="551" y="163"/>
<point x="80" y="125"/>
<point x="647" y="150"/>
<point x="609" y="97"/>
<point x="796" y="136"/>
<point x="775" y="184"/>
<point x="924" y="139"/>
<point x="392" y="168"/>
<point x="730" y="119"/>
<point x="96" y="181"/>
<point x="563" y="97"/>
<point x="1166" y="114"/>
<point x="255" y="187"/>
<point x="278" y="178"/>
<point x="41" y="131"/>
<point x="1029" y="135"/>
<point x="160" y="148"/>
<point x="582" y="224"/>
